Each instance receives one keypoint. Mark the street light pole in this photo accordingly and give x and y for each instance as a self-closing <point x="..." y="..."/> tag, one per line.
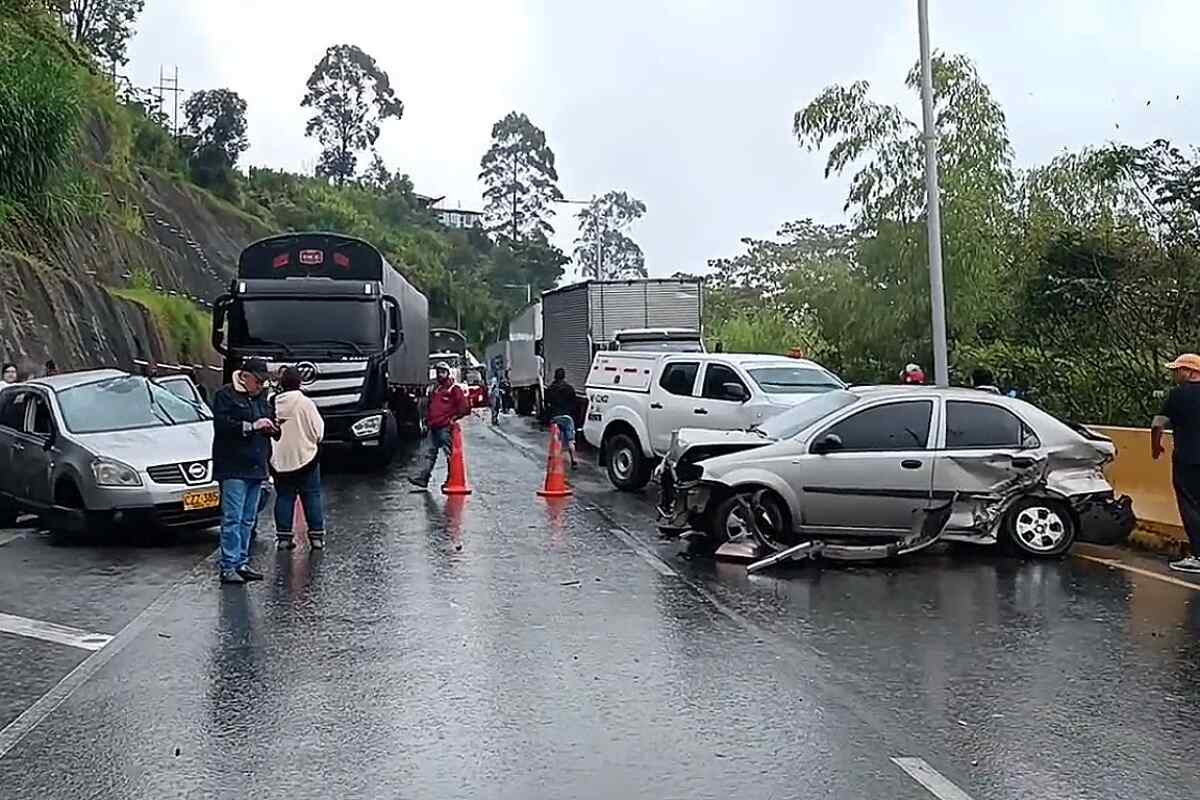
<point x="933" y="218"/>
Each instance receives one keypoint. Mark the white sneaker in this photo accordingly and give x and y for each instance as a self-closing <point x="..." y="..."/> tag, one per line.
<point x="1189" y="564"/>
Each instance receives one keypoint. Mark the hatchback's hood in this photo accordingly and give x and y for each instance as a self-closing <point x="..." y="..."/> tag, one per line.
<point x="699" y="443"/>
<point x="146" y="447"/>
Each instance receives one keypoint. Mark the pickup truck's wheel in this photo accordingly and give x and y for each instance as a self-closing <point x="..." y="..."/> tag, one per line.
<point x="628" y="469"/>
<point x="1040" y="528"/>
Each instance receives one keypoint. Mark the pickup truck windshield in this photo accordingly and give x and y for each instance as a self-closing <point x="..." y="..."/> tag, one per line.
<point x="798" y="418"/>
<point x="265" y="322"/>
<point x="121" y="404"/>
<point x="794" y="380"/>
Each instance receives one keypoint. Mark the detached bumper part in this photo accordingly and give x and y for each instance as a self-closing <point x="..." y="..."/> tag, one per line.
<point x="1104" y="519"/>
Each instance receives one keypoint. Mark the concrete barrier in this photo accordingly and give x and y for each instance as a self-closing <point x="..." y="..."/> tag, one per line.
<point x="1147" y="481"/>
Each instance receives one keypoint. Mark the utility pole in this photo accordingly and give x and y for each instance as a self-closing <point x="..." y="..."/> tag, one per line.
<point x="933" y="218"/>
<point x="171" y="85"/>
<point x="599" y="238"/>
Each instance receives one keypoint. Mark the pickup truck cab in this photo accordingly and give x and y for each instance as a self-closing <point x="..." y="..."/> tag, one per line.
<point x="637" y="400"/>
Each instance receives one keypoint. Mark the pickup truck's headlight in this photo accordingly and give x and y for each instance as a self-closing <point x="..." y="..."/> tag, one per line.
<point x="367" y="426"/>
<point x="113" y="473"/>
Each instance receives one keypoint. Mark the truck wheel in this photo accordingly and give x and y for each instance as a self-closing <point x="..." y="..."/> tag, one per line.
<point x="628" y="469"/>
<point x="1040" y="528"/>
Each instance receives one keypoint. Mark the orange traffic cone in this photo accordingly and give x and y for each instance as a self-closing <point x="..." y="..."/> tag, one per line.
<point x="456" y="480"/>
<point x="556" y="476"/>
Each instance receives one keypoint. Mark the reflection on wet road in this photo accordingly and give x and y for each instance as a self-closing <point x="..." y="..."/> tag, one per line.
<point x="499" y="645"/>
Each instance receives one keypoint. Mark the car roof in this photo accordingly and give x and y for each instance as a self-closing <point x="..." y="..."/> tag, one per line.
<point x="900" y="392"/>
<point x="70" y="380"/>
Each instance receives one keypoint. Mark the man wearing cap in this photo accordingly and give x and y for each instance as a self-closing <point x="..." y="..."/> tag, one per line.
<point x="242" y="433"/>
<point x="1181" y="413"/>
<point x="447" y="405"/>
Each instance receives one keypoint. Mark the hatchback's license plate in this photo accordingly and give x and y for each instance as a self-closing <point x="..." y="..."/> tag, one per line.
<point x="198" y="501"/>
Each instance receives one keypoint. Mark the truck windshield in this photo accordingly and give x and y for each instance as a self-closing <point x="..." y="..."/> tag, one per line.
<point x="295" y="323"/>
<point x="794" y="380"/>
<point x="660" y="345"/>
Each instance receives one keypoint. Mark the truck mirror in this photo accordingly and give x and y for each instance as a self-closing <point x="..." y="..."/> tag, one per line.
<point x="220" y="306"/>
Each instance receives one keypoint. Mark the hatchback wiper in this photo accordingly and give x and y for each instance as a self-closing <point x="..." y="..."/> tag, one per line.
<point x="154" y="404"/>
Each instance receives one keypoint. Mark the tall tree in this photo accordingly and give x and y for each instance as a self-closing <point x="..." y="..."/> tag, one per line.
<point x="350" y="96"/>
<point x="601" y="248"/>
<point x="103" y="27"/>
<point x="216" y="122"/>
<point x="522" y="183"/>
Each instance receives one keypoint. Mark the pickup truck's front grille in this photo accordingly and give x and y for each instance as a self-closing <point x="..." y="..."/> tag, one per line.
<point x="166" y="473"/>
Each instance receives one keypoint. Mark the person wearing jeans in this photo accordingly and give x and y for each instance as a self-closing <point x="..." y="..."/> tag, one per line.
<point x="560" y="402"/>
<point x="242" y="430"/>
<point x="296" y="463"/>
<point x="447" y="405"/>
<point x="1181" y="413"/>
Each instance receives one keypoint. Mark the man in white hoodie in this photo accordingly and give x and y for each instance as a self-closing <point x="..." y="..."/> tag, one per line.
<point x="295" y="462"/>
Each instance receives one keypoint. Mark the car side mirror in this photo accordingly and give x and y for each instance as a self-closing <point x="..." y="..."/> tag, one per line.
<point x="735" y="392"/>
<point x="827" y="444"/>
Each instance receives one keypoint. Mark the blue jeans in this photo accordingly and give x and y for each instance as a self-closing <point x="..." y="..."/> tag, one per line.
<point x="566" y="428"/>
<point x="309" y="491"/>
<point x="239" y="510"/>
<point x="439" y="440"/>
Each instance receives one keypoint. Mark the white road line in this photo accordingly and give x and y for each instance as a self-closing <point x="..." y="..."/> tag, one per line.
<point x="1112" y="562"/>
<point x="934" y="782"/>
<point x="52" y="632"/>
<point x="33" y="716"/>
<point x="6" y="538"/>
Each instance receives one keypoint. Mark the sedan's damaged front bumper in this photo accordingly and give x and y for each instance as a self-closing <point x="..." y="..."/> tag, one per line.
<point x="681" y="504"/>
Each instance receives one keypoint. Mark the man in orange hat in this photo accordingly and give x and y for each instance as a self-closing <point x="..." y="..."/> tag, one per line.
<point x="1181" y="413"/>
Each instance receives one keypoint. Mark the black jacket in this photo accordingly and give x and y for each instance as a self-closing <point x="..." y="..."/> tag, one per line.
<point x="239" y="451"/>
<point x="560" y="399"/>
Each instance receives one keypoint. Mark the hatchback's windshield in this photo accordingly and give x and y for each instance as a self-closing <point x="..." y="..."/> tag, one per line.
<point x="296" y="323"/>
<point x="796" y="419"/>
<point x="661" y="346"/>
<point x="123" y="403"/>
<point x="788" y="379"/>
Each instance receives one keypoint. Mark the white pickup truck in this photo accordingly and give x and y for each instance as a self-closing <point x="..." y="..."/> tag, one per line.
<point x="636" y="401"/>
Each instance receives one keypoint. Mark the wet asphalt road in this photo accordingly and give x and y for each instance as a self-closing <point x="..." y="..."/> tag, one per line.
<point x="565" y="651"/>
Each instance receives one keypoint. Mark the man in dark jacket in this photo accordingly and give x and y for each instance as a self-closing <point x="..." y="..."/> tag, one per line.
<point x="561" y="402"/>
<point x="447" y="405"/>
<point x="242" y="432"/>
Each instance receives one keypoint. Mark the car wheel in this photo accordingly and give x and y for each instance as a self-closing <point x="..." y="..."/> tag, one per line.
<point x="1040" y="528"/>
<point x="628" y="469"/>
<point x="729" y="520"/>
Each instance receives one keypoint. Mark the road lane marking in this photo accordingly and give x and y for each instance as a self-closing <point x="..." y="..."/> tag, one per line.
<point x="36" y="714"/>
<point x="934" y="782"/>
<point x="52" y="632"/>
<point x="8" y="538"/>
<point x="1112" y="562"/>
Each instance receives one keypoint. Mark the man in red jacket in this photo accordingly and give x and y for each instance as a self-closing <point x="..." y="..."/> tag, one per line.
<point x="447" y="405"/>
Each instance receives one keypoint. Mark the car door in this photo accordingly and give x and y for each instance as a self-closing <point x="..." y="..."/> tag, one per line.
<point x="672" y="400"/>
<point x="714" y="409"/>
<point x="983" y="445"/>
<point x="12" y="430"/>
<point x="880" y="475"/>
<point x="37" y="457"/>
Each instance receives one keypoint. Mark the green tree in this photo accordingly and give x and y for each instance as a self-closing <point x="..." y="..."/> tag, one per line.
<point x="520" y="179"/>
<point x="350" y="96"/>
<point x="601" y="248"/>
<point x="216" y="123"/>
<point x="102" y="27"/>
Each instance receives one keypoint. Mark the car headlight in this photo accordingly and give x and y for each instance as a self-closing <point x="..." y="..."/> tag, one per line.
<point x="367" y="426"/>
<point x="114" y="473"/>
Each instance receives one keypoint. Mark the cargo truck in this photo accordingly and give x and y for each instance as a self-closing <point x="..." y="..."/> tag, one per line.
<point x="349" y="321"/>
<point x="650" y="314"/>
<point x="517" y="352"/>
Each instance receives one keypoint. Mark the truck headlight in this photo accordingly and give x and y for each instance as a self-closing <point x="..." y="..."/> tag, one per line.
<point x="113" y="473"/>
<point x="367" y="426"/>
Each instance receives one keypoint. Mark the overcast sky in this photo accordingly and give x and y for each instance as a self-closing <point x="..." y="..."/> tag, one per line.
<point x="685" y="104"/>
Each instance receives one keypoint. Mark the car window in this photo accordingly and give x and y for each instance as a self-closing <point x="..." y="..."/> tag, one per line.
<point x="804" y="415"/>
<point x="715" y="378"/>
<point x="894" y="426"/>
<point x="679" y="377"/>
<point x="985" y="425"/>
<point x="124" y="403"/>
<point x="12" y="410"/>
<point x="42" y="424"/>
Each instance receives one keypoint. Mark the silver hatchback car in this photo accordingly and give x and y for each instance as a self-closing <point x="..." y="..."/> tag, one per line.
<point x="861" y="463"/>
<point x="87" y="449"/>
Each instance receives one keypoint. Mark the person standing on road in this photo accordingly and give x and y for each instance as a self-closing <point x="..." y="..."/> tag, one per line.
<point x="8" y="374"/>
<point x="447" y="405"/>
<point x="1181" y="413"/>
<point x="913" y="375"/>
<point x="242" y="432"/>
<point x="560" y="403"/>
<point x="495" y="398"/>
<point x="295" y="462"/>
<point x="50" y="368"/>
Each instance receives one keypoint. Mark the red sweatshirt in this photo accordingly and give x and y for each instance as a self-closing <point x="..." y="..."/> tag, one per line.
<point x="447" y="404"/>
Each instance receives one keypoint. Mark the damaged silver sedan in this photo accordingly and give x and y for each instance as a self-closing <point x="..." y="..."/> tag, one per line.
<point x="892" y="469"/>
